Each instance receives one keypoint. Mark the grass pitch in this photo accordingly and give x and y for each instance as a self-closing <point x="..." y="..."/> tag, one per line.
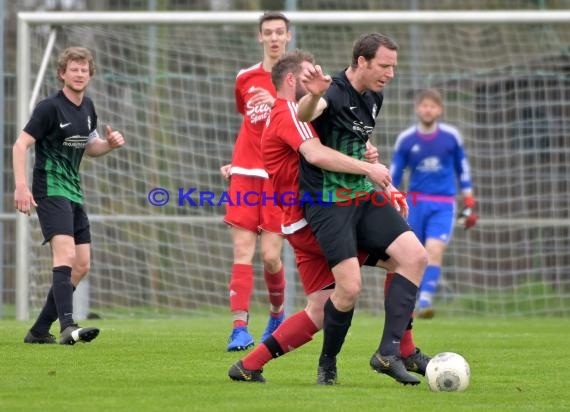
<point x="181" y="365"/>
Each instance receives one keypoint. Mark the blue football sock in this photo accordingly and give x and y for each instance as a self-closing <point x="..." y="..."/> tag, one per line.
<point x="429" y="286"/>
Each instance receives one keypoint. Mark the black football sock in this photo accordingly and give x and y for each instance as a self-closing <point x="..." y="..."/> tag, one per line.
<point x="398" y="307"/>
<point x="335" y="328"/>
<point x="63" y="295"/>
<point x="47" y="316"/>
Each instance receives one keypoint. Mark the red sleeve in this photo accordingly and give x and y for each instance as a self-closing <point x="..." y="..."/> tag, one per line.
<point x="294" y="131"/>
<point x="239" y="97"/>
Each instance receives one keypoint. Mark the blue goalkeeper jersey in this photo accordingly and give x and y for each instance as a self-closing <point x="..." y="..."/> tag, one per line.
<point x="436" y="161"/>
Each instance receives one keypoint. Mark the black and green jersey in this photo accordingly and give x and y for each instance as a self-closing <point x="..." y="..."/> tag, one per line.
<point x="61" y="130"/>
<point x="345" y="125"/>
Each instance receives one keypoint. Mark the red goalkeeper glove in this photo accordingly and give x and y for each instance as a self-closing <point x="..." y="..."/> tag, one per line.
<point x="468" y="217"/>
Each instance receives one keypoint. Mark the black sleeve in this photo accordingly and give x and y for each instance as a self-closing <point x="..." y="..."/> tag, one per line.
<point x="333" y="96"/>
<point x="42" y="121"/>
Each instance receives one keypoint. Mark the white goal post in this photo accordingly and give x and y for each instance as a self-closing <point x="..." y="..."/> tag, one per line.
<point x="171" y="74"/>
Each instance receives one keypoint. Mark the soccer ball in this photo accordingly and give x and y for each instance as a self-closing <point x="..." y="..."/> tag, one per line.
<point x="448" y="372"/>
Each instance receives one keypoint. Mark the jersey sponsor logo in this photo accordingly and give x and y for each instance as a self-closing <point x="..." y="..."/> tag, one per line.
<point x="64" y="125"/>
<point x="361" y="128"/>
<point x="430" y="164"/>
<point x="76" y="142"/>
<point x="257" y="113"/>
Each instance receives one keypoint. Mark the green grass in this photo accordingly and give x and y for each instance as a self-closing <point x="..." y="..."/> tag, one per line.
<point x="181" y="365"/>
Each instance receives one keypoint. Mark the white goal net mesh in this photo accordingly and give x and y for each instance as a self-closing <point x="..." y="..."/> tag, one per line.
<point x="169" y="90"/>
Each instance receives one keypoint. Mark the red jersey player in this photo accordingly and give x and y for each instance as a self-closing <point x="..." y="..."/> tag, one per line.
<point x="254" y="94"/>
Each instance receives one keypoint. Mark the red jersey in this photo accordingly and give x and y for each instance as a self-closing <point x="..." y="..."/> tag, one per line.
<point x="247" y="151"/>
<point x="282" y="136"/>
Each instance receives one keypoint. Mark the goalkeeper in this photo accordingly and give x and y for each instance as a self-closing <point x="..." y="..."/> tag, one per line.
<point x="433" y="152"/>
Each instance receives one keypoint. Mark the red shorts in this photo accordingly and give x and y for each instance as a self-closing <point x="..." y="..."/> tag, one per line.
<point x="313" y="268"/>
<point x="249" y="209"/>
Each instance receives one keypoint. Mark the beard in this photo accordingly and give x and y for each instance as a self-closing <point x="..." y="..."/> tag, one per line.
<point x="428" y="123"/>
<point x="300" y="90"/>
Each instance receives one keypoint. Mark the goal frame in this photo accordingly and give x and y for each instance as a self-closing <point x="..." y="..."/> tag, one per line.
<point x="25" y="100"/>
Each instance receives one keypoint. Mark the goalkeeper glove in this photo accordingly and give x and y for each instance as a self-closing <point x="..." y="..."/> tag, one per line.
<point x="468" y="217"/>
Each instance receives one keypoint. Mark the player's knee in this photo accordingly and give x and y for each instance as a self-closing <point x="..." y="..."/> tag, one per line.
<point x="244" y="254"/>
<point x="64" y="257"/>
<point x="421" y="258"/>
<point x="271" y="260"/>
<point x="349" y="291"/>
<point x="80" y="269"/>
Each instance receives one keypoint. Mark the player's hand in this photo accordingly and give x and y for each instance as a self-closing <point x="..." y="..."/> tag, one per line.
<point x="398" y="200"/>
<point x="225" y="171"/>
<point x="371" y="154"/>
<point x="23" y="200"/>
<point x="261" y="96"/>
<point x="315" y="81"/>
<point x="114" y="138"/>
<point x="379" y="175"/>
<point x="468" y="216"/>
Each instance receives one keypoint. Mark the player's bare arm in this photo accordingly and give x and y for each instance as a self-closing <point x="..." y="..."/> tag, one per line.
<point x="23" y="198"/>
<point x="332" y="160"/>
<point x="316" y="83"/>
<point x="98" y="147"/>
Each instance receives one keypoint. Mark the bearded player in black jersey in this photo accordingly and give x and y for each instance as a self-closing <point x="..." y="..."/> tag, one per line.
<point x="343" y="110"/>
<point x="62" y="127"/>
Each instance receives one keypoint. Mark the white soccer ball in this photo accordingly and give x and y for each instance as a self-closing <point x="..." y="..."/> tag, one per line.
<point x="448" y="372"/>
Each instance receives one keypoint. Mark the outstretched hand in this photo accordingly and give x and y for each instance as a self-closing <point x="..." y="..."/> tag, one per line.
<point x="114" y="138"/>
<point x="315" y="81"/>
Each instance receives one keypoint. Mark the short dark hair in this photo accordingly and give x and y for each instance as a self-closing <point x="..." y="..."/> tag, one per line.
<point x="74" y="54"/>
<point x="289" y="62"/>
<point x="431" y="94"/>
<point x="273" y="15"/>
<point x="368" y="44"/>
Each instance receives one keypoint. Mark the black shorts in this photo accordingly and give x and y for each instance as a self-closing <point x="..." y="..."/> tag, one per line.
<point x="60" y="216"/>
<point x="344" y="228"/>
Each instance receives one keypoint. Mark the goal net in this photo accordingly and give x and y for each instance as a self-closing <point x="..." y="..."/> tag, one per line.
<point x="169" y="89"/>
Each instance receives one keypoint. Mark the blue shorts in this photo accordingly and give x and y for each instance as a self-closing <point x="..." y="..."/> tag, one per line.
<point x="432" y="219"/>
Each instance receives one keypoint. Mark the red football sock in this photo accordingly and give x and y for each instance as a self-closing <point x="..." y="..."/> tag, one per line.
<point x="275" y="286"/>
<point x="387" y="281"/>
<point x="241" y="287"/>
<point x="407" y="345"/>
<point x="294" y="332"/>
